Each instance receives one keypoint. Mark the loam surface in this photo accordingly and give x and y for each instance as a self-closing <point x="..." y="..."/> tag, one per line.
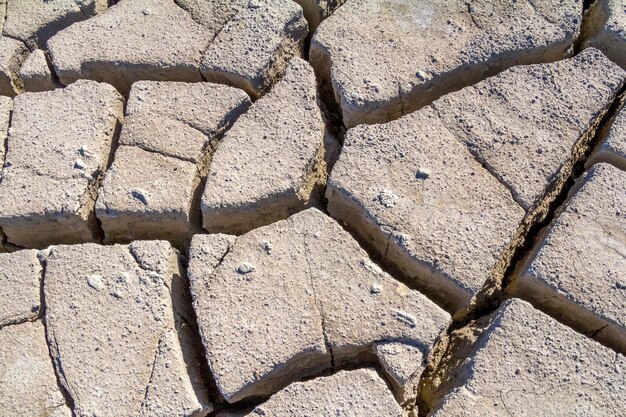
<point x="337" y="208"/>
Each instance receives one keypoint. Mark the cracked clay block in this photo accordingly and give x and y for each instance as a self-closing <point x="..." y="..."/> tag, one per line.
<point x="612" y="149"/>
<point x="268" y="164"/>
<point x="12" y="55"/>
<point x="526" y="363"/>
<point x="608" y="23"/>
<point x="111" y="327"/>
<point x="35" y="21"/>
<point x="255" y="46"/>
<point x="530" y="124"/>
<point x="151" y="40"/>
<point x="577" y="272"/>
<point x="347" y="394"/>
<point x="150" y="191"/>
<point x="59" y="143"/>
<point x="382" y="58"/>
<point x="288" y="300"/>
<point x="20" y="280"/>
<point x="413" y="191"/>
<point x="36" y="74"/>
<point x="28" y="386"/>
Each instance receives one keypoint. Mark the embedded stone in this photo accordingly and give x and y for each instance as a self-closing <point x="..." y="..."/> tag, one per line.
<point x="577" y="271"/>
<point x="253" y="49"/>
<point x="12" y="55"/>
<point x="268" y="164"/>
<point x="526" y="359"/>
<point x="449" y="230"/>
<point x="260" y="336"/>
<point x="131" y="41"/>
<point x="612" y="149"/>
<point x="115" y="349"/>
<point x="35" y="21"/>
<point x="36" y="74"/>
<point x="58" y="145"/>
<point x="28" y="386"/>
<point x="382" y="59"/>
<point x="20" y="280"/>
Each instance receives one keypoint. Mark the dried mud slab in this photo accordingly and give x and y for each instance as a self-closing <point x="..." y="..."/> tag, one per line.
<point x="28" y="386"/>
<point x="253" y="49"/>
<point x="111" y="321"/>
<point x="12" y="55"/>
<point x="151" y="189"/>
<point x="131" y="41"/>
<point x="35" y="21"/>
<point x="58" y="145"/>
<point x="530" y="124"/>
<point x="267" y="165"/>
<point x="608" y="22"/>
<point x="383" y="58"/>
<point x="20" y="280"/>
<point x="612" y="149"/>
<point x="524" y="359"/>
<point x="401" y="188"/>
<point x="36" y="73"/>
<point x="414" y="192"/>
<point x="346" y="394"/>
<point x="296" y="298"/>
<point x="577" y="271"/>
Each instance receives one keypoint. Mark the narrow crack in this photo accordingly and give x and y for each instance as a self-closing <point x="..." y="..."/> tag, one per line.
<point x="318" y="305"/>
<point x="595" y="333"/>
<point x="152" y="368"/>
<point x="57" y="367"/>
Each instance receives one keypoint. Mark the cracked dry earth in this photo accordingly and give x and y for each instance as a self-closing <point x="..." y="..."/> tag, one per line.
<point x="239" y="208"/>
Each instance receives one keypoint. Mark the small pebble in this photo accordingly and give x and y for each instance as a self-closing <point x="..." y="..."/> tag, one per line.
<point x="95" y="282"/>
<point x="245" y="268"/>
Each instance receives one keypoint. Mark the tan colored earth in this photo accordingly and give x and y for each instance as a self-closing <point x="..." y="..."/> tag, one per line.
<point x="302" y="208"/>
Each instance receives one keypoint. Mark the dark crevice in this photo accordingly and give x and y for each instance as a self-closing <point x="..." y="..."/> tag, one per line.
<point x="588" y="25"/>
<point x="95" y="223"/>
<point x="208" y="381"/>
